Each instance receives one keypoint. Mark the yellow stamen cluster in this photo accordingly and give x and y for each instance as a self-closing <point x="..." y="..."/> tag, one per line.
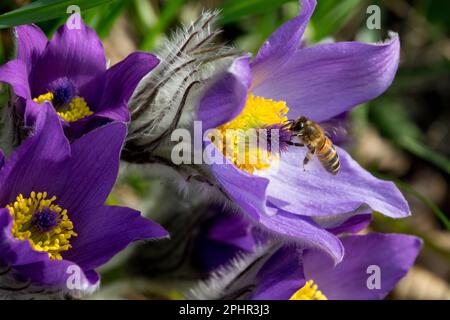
<point x="76" y="109"/>
<point x="258" y="113"/>
<point x="53" y="241"/>
<point x="309" y="291"/>
<point x="47" y="97"/>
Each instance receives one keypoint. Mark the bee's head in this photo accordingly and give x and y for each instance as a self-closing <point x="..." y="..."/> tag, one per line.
<point x="299" y="125"/>
<point x="304" y="128"/>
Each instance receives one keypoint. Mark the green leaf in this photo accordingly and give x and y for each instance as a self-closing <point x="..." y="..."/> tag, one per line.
<point x="42" y="10"/>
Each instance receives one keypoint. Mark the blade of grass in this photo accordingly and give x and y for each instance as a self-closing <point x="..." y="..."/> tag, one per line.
<point x="422" y="151"/>
<point x="392" y="120"/>
<point x="43" y="10"/>
<point x="430" y="204"/>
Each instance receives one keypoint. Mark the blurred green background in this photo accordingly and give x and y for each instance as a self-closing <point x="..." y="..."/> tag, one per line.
<point x="403" y="136"/>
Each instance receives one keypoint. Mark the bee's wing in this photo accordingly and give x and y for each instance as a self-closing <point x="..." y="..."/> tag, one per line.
<point x="336" y="129"/>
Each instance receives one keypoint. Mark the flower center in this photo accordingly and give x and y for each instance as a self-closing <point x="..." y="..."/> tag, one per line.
<point x="63" y="96"/>
<point x="247" y="139"/>
<point x="309" y="291"/>
<point x="44" y="224"/>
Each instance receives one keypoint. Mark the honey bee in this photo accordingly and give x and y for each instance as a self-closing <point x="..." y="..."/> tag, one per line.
<point x="312" y="136"/>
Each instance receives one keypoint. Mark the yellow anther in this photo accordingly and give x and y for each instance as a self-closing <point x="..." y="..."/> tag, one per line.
<point x="76" y="109"/>
<point x="239" y="136"/>
<point x="44" y="97"/>
<point x="309" y="291"/>
<point x="51" y="234"/>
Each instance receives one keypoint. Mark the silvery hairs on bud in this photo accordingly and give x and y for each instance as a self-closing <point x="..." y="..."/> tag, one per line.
<point x="167" y="99"/>
<point x="12" y="130"/>
<point x="238" y="279"/>
<point x="13" y="288"/>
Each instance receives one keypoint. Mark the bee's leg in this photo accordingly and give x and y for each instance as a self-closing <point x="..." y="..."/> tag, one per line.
<point x="308" y="157"/>
<point x="292" y="143"/>
<point x="287" y="124"/>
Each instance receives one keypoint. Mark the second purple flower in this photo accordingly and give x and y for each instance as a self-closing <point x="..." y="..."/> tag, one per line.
<point x="70" y="72"/>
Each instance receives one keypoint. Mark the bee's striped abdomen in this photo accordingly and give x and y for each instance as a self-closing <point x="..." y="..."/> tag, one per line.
<point x="328" y="156"/>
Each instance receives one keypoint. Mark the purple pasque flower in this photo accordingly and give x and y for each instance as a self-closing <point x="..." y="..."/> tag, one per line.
<point x="70" y="72"/>
<point x="222" y="237"/>
<point x="285" y="81"/>
<point x="166" y="98"/>
<point x="53" y="218"/>
<point x="388" y="256"/>
<point x="225" y="235"/>
<point x="267" y="269"/>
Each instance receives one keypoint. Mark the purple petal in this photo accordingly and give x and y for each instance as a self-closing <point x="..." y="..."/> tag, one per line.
<point x="31" y="42"/>
<point x="42" y="162"/>
<point x="113" y="89"/>
<point x="2" y="159"/>
<point x="326" y="80"/>
<point x="210" y="255"/>
<point x="232" y="230"/>
<point x="56" y="273"/>
<point x="393" y="254"/>
<point x="281" y="276"/>
<point x="38" y="163"/>
<point x="15" y="73"/>
<point x="73" y="53"/>
<point x="353" y="224"/>
<point x="315" y="192"/>
<point x="223" y="237"/>
<point x="302" y="230"/>
<point x="13" y="251"/>
<point x="249" y="192"/>
<point x="32" y="265"/>
<point x="75" y="130"/>
<point x="281" y="45"/>
<point x="93" y="168"/>
<point x="226" y="98"/>
<point x="104" y="231"/>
